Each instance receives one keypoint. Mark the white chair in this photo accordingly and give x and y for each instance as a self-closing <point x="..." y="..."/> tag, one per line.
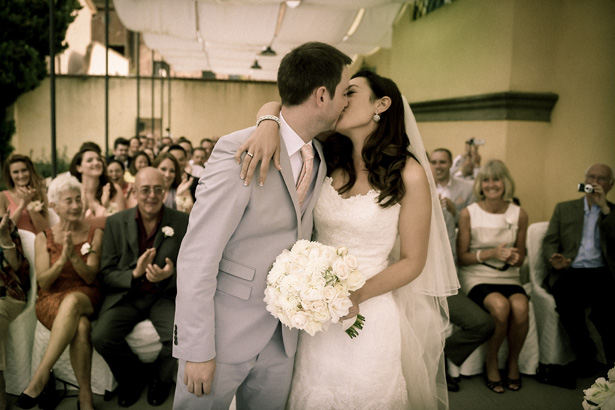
<point x="554" y="341"/>
<point x="143" y="340"/>
<point x="21" y="330"/>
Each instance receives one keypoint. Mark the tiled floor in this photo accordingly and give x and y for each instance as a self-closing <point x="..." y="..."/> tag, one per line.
<point x="472" y="396"/>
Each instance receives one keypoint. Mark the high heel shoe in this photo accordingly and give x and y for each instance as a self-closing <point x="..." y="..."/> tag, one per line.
<point x="26" y="402"/>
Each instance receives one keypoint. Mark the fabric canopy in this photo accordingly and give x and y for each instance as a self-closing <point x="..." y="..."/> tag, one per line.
<point x="227" y="36"/>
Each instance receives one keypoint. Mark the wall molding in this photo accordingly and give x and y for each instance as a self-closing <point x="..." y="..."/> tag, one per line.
<point x="504" y="106"/>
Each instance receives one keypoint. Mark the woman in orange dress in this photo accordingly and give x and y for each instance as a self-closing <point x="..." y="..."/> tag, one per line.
<point x="67" y="259"/>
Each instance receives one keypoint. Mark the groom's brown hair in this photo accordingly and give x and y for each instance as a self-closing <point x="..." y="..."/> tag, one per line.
<point x="307" y="67"/>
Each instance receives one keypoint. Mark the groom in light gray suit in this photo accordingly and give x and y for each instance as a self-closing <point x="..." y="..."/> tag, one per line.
<point x="226" y="341"/>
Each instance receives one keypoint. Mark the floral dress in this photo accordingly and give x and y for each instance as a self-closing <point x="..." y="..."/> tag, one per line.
<point x="48" y="300"/>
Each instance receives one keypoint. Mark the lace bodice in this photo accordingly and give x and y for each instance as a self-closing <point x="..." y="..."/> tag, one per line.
<point x="358" y="223"/>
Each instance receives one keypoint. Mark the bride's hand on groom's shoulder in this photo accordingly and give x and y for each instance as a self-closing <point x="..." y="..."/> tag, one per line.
<point x="262" y="146"/>
<point x="199" y="376"/>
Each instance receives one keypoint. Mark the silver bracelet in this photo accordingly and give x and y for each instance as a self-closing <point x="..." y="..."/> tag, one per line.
<point x="478" y="257"/>
<point x="11" y="246"/>
<point x="268" y="117"/>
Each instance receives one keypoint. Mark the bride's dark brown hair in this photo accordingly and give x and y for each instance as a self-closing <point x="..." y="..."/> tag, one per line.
<point x="385" y="150"/>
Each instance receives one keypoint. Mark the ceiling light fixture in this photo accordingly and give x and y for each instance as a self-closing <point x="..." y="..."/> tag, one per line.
<point x="355" y="24"/>
<point x="293" y="3"/>
<point x="268" y="52"/>
<point x="256" y="66"/>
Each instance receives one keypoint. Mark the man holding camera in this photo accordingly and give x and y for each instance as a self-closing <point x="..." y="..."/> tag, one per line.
<point x="580" y="248"/>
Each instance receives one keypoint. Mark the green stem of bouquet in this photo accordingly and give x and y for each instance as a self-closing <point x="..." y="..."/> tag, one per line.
<point x="353" y="331"/>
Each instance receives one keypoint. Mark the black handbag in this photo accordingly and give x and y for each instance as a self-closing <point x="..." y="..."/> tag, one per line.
<point x="556" y="375"/>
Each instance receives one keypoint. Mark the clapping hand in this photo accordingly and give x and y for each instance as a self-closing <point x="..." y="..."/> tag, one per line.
<point x="559" y="261"/>
<point x="68" y="249"/>
<point x="143" y="262"/>
<point x="448" y="205"/>
<point x="185" y="185"/>
<point x="156" y="274"/>
<point x="5" y="232"/>
<point x="106" y="195"/>
<point x="507" y="255"/>
<point x="25" y="194"/>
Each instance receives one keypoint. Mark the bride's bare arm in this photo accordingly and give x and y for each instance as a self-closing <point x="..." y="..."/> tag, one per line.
<point x="263" y="144"/>
<point x="414" y="224"/>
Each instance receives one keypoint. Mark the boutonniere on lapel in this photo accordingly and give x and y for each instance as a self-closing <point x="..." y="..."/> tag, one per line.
<point x="86" y="249"/>
<point x="167" y="231"/>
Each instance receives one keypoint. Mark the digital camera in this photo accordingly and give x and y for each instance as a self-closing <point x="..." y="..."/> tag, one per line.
<point x="475" y="141"/>
<point x="587" y="188"/>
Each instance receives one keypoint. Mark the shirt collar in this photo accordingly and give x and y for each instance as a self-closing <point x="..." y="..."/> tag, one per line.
<point x="587" y="208"/>
<point x="292" y="140"/>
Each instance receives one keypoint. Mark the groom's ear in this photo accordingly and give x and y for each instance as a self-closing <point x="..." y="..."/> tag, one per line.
<point x="320" y="94"/>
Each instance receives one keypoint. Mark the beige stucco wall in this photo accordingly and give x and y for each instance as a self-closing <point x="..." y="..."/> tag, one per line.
<point x="198" y="109"/>
<point x="473" y="47"/>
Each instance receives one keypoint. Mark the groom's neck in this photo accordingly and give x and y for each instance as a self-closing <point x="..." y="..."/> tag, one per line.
<point x="303" y="121"/>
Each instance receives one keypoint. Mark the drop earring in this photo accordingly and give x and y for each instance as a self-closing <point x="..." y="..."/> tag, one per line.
<point x="376" y="117"/>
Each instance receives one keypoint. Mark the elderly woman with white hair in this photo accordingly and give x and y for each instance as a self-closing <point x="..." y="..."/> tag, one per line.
<point x="67" y="259"/>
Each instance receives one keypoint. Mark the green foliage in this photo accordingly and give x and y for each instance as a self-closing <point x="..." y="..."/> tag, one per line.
<point x="43" y="164"/>
<point x="7" y="129"/>
<point x="24" y="44"/>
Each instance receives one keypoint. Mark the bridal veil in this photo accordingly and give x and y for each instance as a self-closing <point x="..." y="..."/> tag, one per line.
<point x="422" y="302"/>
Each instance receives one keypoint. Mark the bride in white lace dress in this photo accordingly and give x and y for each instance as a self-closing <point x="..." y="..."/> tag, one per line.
<point x="378" y="192"/>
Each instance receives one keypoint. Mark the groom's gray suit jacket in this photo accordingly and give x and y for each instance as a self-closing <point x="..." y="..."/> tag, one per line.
<point x="234" y="235"/>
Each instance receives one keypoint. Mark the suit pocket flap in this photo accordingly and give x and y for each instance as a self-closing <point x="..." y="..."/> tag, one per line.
<point x="235" y="269"/>
<point x="233" y="287"/>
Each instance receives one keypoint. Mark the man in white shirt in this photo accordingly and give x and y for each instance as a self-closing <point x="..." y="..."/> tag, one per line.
<point x="455" y="194"/>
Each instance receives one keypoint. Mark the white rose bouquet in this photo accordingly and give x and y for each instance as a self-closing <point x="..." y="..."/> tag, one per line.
<point x="601" y="395"/>
<point x="309" y="287"/>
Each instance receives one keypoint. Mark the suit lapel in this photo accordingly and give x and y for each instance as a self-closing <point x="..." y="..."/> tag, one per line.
<point x="132" y="231"/>
<point x="579" y="209"/>
<point x="165" y="221"/>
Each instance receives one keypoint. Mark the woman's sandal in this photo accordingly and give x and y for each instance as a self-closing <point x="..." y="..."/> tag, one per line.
<point x="493" y="385"/>
<point x="514" y="384"/>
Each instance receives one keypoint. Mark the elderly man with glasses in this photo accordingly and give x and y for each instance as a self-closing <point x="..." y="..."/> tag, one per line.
<point x="580" y="248"/>
<point x="139" y="254"/>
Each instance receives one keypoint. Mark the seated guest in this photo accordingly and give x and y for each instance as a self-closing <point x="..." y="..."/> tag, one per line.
<point x="134" y="145"/>
<point x="67" y="258"/>
<point x="490" y="249"/>
<point x="25" y="198"/>
<point x="199" y="157"/>
<point x="140" y="160"/>
<point x="208" y="145"/>
<point x="14" y="284"/>
<point x="176" y="183"/>
<point x="115" y="172"/>
<point x="139" y="254"/>
<point x="182" y="158"/>
<point x="580" y="248"/>
<point x="455" y="194"/>
<point x="100" y="196"/>
<point x="120" y="151"/>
